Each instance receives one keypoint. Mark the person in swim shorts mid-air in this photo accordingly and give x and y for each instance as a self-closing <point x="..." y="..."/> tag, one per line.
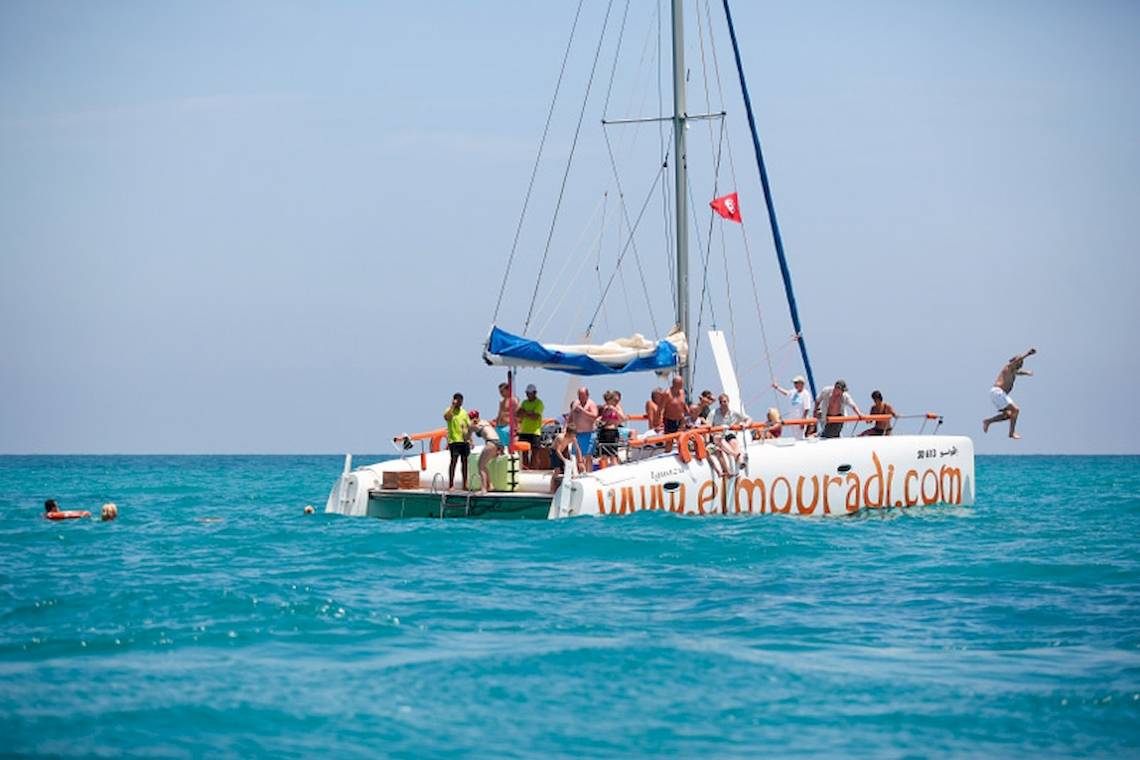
<point x="999" y="394"/>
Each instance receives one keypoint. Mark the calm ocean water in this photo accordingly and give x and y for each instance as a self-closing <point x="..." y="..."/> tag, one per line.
<point x="215" y="618"/>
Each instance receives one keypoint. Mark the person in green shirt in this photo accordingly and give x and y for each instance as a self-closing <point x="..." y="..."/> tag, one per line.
<point x="530" y="423"/>
<point x="458" y="427"/>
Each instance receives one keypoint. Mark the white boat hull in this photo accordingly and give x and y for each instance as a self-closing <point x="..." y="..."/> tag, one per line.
<point x="810" y="478"/>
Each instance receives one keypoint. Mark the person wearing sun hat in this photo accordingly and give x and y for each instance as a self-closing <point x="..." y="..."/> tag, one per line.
<point x="801" y="403"/>
<point x="530" y="423"/>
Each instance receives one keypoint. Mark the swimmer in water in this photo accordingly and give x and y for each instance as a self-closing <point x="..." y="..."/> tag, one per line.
<point x="109" y="512"/>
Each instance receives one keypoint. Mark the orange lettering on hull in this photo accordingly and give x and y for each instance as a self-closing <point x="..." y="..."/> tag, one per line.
<point x="750" y="487"/>
<point x="933" y="497"/>
<point x="788" y="501"/>
<point x="827" y="482"/>
<point x="807" y="509"/>
<point x="877" y="478"/>
<point x="950" y="483"/>
<point x="852" y="503"/>
<point x="706" y="494"/>
<point x="906" y="487"/>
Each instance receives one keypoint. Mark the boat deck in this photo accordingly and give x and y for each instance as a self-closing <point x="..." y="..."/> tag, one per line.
<point x="411" y="503"/>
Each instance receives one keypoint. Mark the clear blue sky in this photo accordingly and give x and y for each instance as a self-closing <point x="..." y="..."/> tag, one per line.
<point x="281" y="227"/>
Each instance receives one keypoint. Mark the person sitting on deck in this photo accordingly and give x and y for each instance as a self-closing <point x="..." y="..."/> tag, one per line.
<point x="491" y="448"/>
<point x="530" y="423"/>
<point x="832" y="402"/>
<point x="699" y="412"/>
<point x="726" y="444"/>
<point x="881" y="427"/>
<point x="458" y="424"/>
<point x="774" y="427"/>
<point x="508" y="405"/>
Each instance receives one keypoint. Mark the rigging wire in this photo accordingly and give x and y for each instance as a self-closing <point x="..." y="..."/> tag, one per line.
<point x="569" y="163"/>
<point x="571" y="258"/>
<point x="625" y="248"/>
<point x="537" y="161"/>
<point x="625" y="215"/>
<point x="617" y="182"/>
<point x="716" y="173"/>
<point x="598" y="266"/>
<point x="743" y="229"/>
<point x="671" y="265"/>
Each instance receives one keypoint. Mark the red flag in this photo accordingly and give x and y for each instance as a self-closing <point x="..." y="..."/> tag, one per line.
<point x="727" y="206"/>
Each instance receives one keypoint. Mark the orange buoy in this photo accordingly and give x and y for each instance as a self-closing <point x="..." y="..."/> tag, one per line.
<point x="71" y="514"/>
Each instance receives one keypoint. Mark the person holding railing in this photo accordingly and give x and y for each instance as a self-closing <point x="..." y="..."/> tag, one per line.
<point x="881" y="427"/>
<point x="832" y="402"/>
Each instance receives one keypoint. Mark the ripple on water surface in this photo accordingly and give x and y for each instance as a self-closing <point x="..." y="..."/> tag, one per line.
<point x="214" y="617"/>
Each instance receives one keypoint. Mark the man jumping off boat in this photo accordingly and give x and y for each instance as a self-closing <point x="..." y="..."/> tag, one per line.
<point x="999" y="394"/>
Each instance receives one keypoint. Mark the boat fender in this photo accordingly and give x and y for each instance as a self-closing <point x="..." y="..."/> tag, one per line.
<point x="698" y="442"/>
<point x="70" y="514"/>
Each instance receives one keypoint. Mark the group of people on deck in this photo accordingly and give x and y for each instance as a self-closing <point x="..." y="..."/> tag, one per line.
<point x="593" y="432"/>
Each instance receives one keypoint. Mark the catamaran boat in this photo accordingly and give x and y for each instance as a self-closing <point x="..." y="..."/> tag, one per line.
<point x="679" y="472"/>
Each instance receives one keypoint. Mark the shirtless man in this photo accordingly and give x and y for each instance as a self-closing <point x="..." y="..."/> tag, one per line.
<point x="999" y="394"/>
<point x="675" y="408"/>
<point x="655" y="410"/>
<point x="584" y="417"/>
<point x="507" y="403"/>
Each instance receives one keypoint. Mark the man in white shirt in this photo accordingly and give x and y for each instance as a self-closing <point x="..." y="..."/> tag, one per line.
<point x="801" y="404"/>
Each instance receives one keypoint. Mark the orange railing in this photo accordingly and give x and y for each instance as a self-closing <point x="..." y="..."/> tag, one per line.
<point x="692" y="435"/>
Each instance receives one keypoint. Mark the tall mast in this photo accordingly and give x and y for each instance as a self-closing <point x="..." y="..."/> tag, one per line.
<point x="681" y="185"/>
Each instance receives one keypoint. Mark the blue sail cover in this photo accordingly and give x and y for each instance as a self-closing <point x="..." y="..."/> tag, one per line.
<point x="513" y="350"/>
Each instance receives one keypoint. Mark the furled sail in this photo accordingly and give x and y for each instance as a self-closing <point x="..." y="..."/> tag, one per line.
<point x="633" y="354"/>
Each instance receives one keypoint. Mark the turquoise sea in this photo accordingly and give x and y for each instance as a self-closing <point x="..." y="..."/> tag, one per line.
<point x="215" y="618"/>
